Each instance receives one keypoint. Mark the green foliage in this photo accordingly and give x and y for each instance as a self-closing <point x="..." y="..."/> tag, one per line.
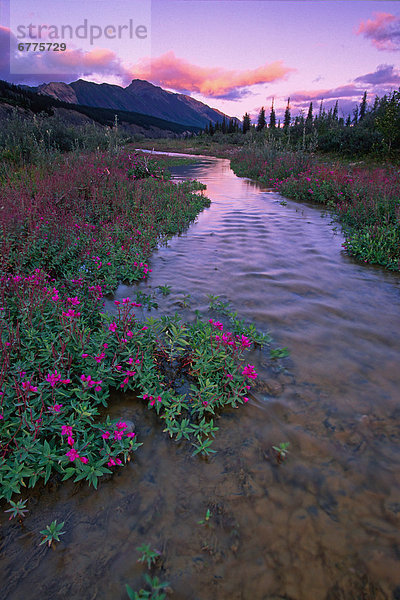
<point x="165" y="289"/>
<point x="148" y="556"/>
<point x="52" y="533"/>
<point x="279" y="353"/>
<point x="156" y="591"/>
<point x="281" y="451"/>
<point x="206" y="519"/>
<point x="17" y="509"/>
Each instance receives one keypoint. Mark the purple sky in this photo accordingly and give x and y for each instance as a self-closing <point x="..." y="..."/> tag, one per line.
<point x="234" y="55"/>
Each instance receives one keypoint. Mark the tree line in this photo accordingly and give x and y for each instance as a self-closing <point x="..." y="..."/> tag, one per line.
<point x="371" y="128"/>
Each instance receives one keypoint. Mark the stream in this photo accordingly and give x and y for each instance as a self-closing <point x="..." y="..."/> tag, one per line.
<point x="323" y="524"/>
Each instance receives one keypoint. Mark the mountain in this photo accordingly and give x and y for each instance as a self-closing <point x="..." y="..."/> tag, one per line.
<point x="139" y="97"/>
<point x="28" y="103"/>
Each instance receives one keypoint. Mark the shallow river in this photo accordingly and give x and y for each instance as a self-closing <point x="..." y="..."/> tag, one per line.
<point x="324" y="524"/>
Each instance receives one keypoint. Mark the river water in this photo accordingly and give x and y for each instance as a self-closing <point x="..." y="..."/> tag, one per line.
<point x="323" y="524"/>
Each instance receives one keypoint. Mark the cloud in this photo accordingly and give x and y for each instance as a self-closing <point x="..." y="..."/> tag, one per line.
<point x="383" y="30"/>
<point x="166" y="70"/>
<point x="38" y="67"/>
<point x="344" y="91"/>
<point x="384" y="74"/>
<point x="180" y="75"/>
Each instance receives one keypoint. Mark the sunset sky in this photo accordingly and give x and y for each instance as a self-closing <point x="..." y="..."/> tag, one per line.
<point x="234" y="55"/>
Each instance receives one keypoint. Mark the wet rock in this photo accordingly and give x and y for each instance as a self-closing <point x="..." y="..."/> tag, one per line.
<point x="130" y="426"/>
<point x="270" y="386"/>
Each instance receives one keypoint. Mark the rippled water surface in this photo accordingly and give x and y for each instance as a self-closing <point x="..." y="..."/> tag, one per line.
<point x="322" y="525"/>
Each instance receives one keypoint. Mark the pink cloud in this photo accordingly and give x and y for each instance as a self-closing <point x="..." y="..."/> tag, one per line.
<point x="37" y="67"/>
<point x="180" y="75"/>
<point x="383" y="30"/>
<point x="344" y="91"/>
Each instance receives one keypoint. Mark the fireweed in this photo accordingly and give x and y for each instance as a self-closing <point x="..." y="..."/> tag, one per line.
<point x="366" y="201"/>
<point x="69" y="236"/>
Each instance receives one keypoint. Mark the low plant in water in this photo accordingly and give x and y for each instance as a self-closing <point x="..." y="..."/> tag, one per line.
<point x="281" y="451"/>
<point x="156" y="591"/>
<point x="18" y="509"/>
<point x="149" y="556"/>
<point x="165" y="289"/>
<point x="52" y="533"/>
<point x="206" y="519"/>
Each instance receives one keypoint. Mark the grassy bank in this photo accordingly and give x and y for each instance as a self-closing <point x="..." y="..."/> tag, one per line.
<point x="195" y="145"/>
<point x="72" y="229"/>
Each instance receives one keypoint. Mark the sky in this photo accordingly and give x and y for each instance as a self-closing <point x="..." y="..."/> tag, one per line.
<point x="234" y="55"/>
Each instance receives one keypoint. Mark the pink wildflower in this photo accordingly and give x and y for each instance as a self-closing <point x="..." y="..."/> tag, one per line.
<point x="56" y="408"/>
<point x="249" y="372"/>
<point x="72" y="454"/>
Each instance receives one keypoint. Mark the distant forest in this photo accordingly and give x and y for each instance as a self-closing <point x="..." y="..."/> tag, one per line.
<point x="370" y="129"/>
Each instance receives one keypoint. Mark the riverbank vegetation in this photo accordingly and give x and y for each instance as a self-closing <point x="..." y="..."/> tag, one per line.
<point x="72" y="229"/>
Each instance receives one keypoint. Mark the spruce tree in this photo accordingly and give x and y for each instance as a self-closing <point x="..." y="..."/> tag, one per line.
<point x="363" y="106"/>
<point x="335" y="112"/>
<point x="246" y="123"/>
<point x="272" y="117"/>
<point x="287" y="118"/>
<point x="261" y="120"/>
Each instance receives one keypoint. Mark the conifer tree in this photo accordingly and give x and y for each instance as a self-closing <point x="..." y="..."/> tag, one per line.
<point x="261" y="120"/>
<point x="335" y="112"/>
<point x="246" y="122"/>
<point x="309" y="118"/>
<point x="363" y="106"/>
<point x="287" y="118"/>
<point x="272" y="117"/>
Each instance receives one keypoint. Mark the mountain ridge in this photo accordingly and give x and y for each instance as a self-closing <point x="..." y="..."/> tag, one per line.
<point x="140" y="96"/>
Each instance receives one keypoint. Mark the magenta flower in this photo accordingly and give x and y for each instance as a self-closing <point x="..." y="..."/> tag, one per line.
<point x="70" y="441"/>
<point x="72" y="454"/>
<point x="56" y="408"/>
<point x="66" y="430"/>
<point x="53" y="378"/>
<point x="112" y="327"/>
<point x="71" y="313"/>
<point x="249" y="372"/>
<point x="83" y="459"/>
<point x="26" y="385"/>
<point x="105" y="435"/>
<point x="244" y="341"/>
